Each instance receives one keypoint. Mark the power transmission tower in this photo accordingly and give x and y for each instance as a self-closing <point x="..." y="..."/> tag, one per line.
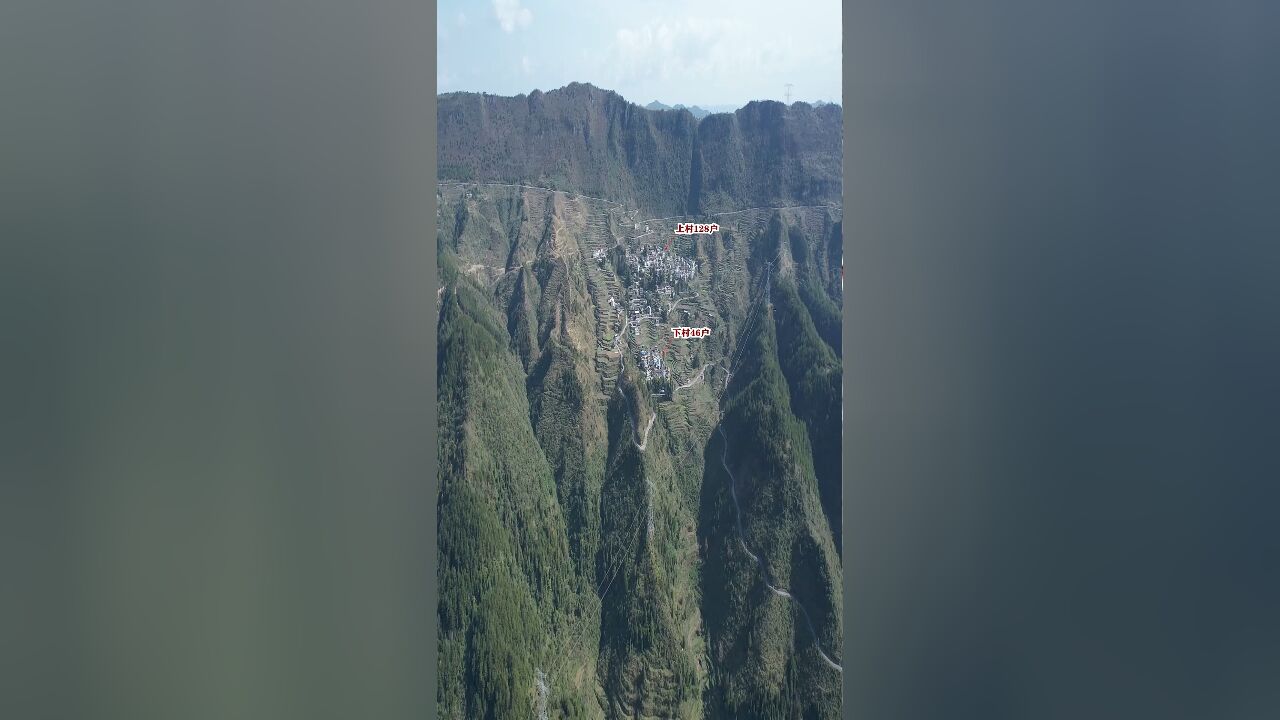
<point x="789" y="86"/>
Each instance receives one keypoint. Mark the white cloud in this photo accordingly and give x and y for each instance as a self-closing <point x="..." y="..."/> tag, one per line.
<point x="719" y="56"/>
<point x="687" y="47"/>
<point x="510" y="14"/>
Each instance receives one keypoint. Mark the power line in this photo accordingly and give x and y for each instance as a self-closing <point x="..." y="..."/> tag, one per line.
<point x="611" y="567"/>
<point x="749" y="327"/>
<point x="757" y="310"/>
<point x="748" y="321"/>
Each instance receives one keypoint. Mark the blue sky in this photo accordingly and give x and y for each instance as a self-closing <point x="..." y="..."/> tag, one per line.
<point x="696" y="52"/>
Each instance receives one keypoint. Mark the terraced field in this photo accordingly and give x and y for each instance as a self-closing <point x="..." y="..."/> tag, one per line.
<point x="554" y="264"/>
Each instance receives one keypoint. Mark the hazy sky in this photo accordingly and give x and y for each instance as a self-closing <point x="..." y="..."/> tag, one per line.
<point x="695" y="52"/>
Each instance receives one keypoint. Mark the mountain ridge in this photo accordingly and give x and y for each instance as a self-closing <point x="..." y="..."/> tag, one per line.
<point x="580" y="138"/>
<point x="594" y="456"/>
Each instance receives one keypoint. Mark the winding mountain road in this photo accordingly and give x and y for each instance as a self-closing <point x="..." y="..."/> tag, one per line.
<point x="696" y="379"/>
<point x="645" y="441"/>
<point x="676" y="304"/>
<point x="764" y="571"/>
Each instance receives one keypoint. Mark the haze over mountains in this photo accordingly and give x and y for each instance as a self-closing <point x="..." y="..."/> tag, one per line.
<point x="700" y="112"/>
<point x="697" y="112"/>
<point x="630" y="525"/>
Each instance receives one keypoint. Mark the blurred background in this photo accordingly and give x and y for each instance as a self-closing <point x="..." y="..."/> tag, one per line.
<point x="1061" y="402"/>
<point x="216" y="284"/>
<point x="217" y="440"/>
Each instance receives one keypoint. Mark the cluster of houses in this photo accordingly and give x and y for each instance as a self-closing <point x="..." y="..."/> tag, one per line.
<point x="651" y="363"/>
<point x="651" y="261"/>
<point x="649" y="290"/>
<point x="640" y="310"/>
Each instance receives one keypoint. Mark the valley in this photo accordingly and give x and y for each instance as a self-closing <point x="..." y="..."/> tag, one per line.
<point x="634" y="524"/>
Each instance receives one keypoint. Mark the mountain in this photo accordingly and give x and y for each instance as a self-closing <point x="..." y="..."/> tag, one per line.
<point x="696" y="111"/>
<point x="586" y="140"/>
<point x="632" y="524"/>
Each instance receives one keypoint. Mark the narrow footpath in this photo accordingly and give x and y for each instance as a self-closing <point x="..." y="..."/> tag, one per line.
<point x="764" y="571"/>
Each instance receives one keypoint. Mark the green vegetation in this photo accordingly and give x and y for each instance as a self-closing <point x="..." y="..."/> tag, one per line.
<point x="504" y="563"/>
<point x="818" y="280"/>
<point x="567" y="550"/>
<point x="757" y="640"/>
<point x="813" y="376"/>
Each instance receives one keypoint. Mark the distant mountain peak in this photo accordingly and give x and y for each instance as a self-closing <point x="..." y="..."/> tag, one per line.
<point x="696" y="111"/>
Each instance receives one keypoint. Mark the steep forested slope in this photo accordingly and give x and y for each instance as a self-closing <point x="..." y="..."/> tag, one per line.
<point x="502" y="534"/>
<point x="773" y="540"/>
<point x="590" y="558"/>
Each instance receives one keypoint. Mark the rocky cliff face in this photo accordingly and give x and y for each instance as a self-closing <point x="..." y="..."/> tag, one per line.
<point x="582" y="139"/>
<point x="619" y="539"/>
